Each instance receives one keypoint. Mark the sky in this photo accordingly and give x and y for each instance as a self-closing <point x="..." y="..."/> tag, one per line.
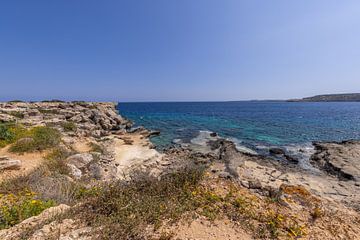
<point x="178" y="50"/>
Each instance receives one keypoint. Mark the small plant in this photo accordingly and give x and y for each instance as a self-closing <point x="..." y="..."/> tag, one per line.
<point x="295" y="230"/>
<point x="274" y="223"/>
<point x="83" y="192"/>
<point x="316" y="213"/>
<point x="69" y="126"/>
<point x="96" y="147"/>
<point x="16" y="208"/>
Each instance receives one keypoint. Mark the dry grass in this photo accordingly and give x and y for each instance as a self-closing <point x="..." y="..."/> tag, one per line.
<point x="124" y="210"/>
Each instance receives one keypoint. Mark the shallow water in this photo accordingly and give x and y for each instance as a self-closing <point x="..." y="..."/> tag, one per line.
<point x="257" y="125"/>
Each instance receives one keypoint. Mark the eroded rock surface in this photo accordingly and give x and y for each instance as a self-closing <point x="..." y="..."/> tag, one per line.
<point x="92" y="119"/>
<point x="339" y="159"/>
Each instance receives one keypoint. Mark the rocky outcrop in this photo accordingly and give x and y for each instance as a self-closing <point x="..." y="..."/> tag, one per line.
<point x="15" y="232"/>
<point x="7" y="163"/>
<point x="338" y="158"/>
<point x="90" y="118"/>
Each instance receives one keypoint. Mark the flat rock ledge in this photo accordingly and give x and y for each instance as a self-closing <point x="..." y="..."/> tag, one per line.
<point x="338" y="158"/>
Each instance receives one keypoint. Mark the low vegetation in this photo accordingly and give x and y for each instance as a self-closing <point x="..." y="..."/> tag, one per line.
<point x="94" y="147"/>
<point x="16" y="208"/>
<point x="10" y="132"/>
<point x="37" y="139"/>
<point x="69" y="126"/>
<point x="124" y="210"/>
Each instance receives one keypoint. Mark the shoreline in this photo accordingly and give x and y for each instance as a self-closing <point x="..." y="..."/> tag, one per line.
<point x="102" y="148"/>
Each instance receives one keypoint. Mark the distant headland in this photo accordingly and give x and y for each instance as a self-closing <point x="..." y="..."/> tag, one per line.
<point x="346" y="97"/>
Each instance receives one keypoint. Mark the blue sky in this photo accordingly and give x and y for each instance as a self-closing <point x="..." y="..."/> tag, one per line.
<point x="183" y="50"/>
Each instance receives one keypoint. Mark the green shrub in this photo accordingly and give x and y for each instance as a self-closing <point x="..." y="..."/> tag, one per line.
<point x="69" y="126"/>
<point x="6" y="134"/>
<point x="16" y="208"/>
<point x="37" y="139"/>
<point x="96" y="147"/>
<point x="16" y="114"/>
<point x="10" y="132"/>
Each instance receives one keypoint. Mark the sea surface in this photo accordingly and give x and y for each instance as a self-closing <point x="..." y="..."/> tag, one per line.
<point x="255" y="125"/>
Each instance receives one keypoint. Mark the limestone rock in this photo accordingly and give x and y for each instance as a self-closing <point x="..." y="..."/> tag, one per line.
<point x="80" y="160"/>
<point x="7" y="163"/>
<point x="338" y="158"/>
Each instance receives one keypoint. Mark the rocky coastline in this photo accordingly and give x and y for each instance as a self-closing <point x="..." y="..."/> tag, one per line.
<point x="240" y="195"/>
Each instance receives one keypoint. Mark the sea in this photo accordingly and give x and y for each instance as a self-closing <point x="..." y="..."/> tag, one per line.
<point x="254" y="126"/>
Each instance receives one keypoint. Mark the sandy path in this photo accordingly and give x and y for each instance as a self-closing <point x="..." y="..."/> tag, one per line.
<point x="29" y="161"/>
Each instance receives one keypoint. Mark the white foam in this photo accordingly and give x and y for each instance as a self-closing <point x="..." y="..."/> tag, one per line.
<point x="303" y="152"/>
<point x="240" y="147"/>
<point x="177" y="141"/>
<point x="203" y="138"/>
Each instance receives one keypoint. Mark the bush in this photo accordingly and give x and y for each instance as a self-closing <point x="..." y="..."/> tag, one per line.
<point x="37" y="139"/>
<point x="69" y="126"/>
<point x="16" y="208"/>
<point x="5" y="133"/>
<point x="10" y="132"/>
<point x="96" y="148"/>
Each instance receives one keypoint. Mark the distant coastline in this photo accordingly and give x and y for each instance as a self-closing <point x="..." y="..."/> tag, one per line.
<point x="346" y="97"/>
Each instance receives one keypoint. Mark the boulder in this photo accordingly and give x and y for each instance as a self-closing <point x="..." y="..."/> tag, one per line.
<point x="80" y="160"/>
<point x="6" y="118"/>
<point x="338" y="158"/>
<point x="9" y="164"/>
<point x="74" y="171"/>
<point x="276" y="151"/>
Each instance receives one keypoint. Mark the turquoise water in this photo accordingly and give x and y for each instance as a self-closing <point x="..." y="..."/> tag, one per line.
<point x="252" y="124"/>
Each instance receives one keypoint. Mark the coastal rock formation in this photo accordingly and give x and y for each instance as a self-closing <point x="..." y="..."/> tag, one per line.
<point x="89" y="119"/>
<point x="338" y="158"/>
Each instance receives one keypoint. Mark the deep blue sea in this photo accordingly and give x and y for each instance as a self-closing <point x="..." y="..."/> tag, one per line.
<point x="254" y="124"/>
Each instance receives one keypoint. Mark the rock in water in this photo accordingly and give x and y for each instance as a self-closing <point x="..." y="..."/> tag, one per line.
<point x="276" y="151"/>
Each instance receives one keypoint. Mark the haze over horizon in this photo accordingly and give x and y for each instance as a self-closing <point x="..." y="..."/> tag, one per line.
<point x="166" y="50"/>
